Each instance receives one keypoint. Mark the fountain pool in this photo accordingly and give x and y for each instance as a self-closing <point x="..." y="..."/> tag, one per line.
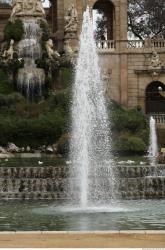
<point x="40" y="215"/>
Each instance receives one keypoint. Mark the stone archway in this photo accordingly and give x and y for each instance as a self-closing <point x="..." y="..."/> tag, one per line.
<point x="155" y="103"/>
<point x="105" y="11"/>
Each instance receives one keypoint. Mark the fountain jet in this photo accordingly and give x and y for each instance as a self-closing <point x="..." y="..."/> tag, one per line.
<point x="90" y="150"/>
<point x="153" y="146"/>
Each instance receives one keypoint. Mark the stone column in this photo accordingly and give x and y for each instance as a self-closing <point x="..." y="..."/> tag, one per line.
<point x="71" y="34"/>
<point x="124" y="79"/>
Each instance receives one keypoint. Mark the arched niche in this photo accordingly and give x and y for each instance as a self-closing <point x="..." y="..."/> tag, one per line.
<point x="155" y="102"/>
<point x="103" y="16"/>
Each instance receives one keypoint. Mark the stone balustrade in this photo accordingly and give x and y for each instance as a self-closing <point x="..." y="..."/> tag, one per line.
<point x="105" y="46"/>
<point x="159" y="118"/>
<point x="109" y="46"/>
<point x="135" y="44"/>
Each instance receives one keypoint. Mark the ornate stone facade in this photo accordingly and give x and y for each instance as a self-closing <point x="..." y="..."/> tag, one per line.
<point x="137" y="67"/>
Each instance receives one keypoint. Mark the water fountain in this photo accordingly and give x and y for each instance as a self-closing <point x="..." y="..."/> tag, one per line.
<point x="30" y="78"/>
<point x="153" y="147"/>
<point x="92" y="163"/>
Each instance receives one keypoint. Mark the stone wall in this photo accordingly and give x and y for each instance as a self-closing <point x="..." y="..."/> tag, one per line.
<point x="35" y="183"/>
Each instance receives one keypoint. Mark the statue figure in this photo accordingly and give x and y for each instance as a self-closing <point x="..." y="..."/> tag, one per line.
<point x="71" y="20"/>
<point x="106" y="76"/>
<point x="155" y="60"/>
<point x="27" y="8"/>
<point x="67" y="49"/>
<point x="17" y="7"/>
<point x="28" y="5"/>
<point x="9" y="53"/>
<point x="39" y="8"/>
<point x="52" y="54"/>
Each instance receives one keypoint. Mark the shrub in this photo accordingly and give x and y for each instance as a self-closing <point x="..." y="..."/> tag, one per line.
<point x="126" y="120"/>
<point x="45" y="30"/>
<point x="32" y="132"/>
<point x="130" y="144"/>
<point x="63" y="145"/>
<point x="14" y="30"/>
<point x="5" y="86"/>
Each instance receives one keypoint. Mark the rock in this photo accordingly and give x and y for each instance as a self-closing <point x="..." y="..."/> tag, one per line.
<point x="2" y="150"/>
<point x="54" y="146"/>
<point x="22" y="149"/>
<point x="49" y="150"/>
<point x="28" y="149"/>
<point x="12" y="148"/>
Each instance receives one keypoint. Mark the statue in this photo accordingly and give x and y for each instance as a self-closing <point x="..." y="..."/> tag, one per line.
<point x="71" y="20"/>
<point x="155" y="60"/>
<point x="106" y="76"/>
<point x="17" y="7"/>
<point x="27" y="8"/>
<point x="39" y="8"/>
<point x="9" y="53"/>
<point x="52" y="54"/>
<point x="67" y="49"/>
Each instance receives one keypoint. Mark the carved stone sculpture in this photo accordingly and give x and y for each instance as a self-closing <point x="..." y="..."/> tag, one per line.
<point x="27" y="8"/>
<point x="155" y="60"/>
<point x="71" y="20"/>
<point x="9" y="53"/>
<point x="39" y="8"/>
<point x="17" y="7"/>
<point x="52" y="54"/>
<point x="67" y="49"/>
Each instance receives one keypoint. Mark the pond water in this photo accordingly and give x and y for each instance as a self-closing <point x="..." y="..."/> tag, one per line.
<point x="51" y="216"/>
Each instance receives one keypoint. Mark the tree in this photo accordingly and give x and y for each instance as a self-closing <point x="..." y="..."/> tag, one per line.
<point x="146" y="18"/>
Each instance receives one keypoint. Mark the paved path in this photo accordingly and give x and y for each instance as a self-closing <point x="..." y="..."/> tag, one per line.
<point x="145" y="239"/>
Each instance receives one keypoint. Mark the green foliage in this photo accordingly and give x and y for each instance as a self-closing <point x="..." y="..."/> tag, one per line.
<point x="45" y="30"/>
<point x="44" y="130"/>
<point x="32" y="162"/>
<point x="129" y="129"/>
<point x="127" y="120"/>
<point x="161" y="136"/>
<point x="63" y="145"/>
<point x="36" y="124"/>
<point x="66" y="76"/>
<point x="5" y="86"/>
<point x="129" y="144"/>
<point x="60" y="100"/>
<point x="14" y="31"/>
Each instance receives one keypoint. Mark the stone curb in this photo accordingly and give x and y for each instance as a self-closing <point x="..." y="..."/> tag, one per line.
<point x="145" y="232"/>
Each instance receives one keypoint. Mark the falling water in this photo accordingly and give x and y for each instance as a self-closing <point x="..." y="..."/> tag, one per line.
<point x="90" y="141"/>
<point x="30" y="78"/>
<point x="153" y="147"/>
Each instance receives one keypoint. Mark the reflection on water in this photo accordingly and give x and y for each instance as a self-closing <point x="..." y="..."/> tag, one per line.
<point x="125" y="215"/>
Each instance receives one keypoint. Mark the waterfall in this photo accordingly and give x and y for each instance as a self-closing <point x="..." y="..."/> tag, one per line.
<point x="153" y="144"/>
<point x="30" y="78"/>
<point x="92" y="164"/>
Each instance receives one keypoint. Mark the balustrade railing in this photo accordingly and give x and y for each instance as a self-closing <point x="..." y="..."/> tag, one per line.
<point x="130" y="45"/>
<point x="135" y="44"/>
<point x="158" y="43"/>
<point x="106" y="45"/>
<point x="159" y="118"/>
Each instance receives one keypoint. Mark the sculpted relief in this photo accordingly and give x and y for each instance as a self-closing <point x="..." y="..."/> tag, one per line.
<point x="71" y="20"/>
<point x="27" y="8"/>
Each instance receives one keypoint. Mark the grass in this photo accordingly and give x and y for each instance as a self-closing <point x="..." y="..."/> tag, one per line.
<point x="31" y="162"/>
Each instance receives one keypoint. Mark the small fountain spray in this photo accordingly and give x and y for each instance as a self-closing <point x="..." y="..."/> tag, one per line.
<point x="153" y="146"/>
<point x="92" y="173"/>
